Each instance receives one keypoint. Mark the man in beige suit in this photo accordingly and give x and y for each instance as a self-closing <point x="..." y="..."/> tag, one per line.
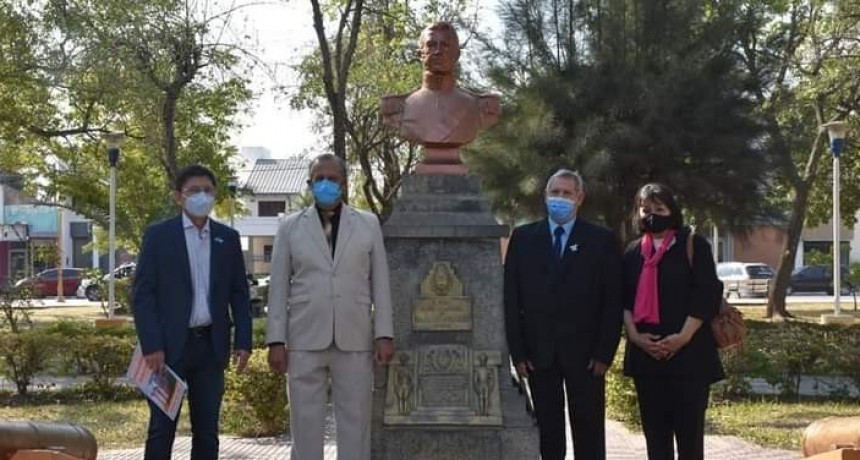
<point x="329" y="314"/>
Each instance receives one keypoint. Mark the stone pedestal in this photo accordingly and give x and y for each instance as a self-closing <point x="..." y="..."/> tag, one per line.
<point x="448" y="392"/>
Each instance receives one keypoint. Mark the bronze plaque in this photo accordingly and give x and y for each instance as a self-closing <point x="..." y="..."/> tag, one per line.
<point x="444" y="385"/>
<point x="442" y="305"/>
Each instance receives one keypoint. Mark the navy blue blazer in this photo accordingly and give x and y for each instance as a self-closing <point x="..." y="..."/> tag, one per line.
<point x="163" y="293"/>
<point x="569" y="308"/>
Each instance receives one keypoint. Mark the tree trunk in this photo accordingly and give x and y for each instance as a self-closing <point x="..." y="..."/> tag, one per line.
<point x="776" y="297"/>
<point x="169" y="124"/>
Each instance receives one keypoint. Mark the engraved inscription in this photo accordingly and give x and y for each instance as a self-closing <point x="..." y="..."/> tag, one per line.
<point x="444" y="391"/>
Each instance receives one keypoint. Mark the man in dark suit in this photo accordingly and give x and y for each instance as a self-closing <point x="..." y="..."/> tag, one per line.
<point x="189" y="270"/>
<point x="563" y="317"/>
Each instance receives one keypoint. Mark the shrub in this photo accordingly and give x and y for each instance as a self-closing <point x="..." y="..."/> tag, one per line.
<point x="621" y="402"/>
<point x="24" y="355"/>
<point x="101" y="353"/>
<point x="123" y="293"/>
<point x="255" y="401"/>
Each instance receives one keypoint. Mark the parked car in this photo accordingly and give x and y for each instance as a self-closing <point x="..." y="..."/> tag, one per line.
<point x="745" y="279"/>
<point x="90" y="289"/>
<point x="44" y="283"/>
<point x="816" y="278"/>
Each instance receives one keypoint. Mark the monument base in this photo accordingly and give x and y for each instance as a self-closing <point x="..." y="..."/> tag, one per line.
<point x="448" y="392"/>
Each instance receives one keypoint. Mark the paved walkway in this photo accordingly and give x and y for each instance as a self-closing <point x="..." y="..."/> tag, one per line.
<point x="621" y="445"/>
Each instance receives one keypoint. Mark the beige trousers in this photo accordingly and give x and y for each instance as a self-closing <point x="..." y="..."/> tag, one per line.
<point x="351" y="375"/>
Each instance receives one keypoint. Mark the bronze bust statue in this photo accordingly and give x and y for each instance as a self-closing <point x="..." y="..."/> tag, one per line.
<point x="440" y="116"/>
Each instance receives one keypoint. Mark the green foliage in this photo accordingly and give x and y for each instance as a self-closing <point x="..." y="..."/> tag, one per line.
<point x="782" y="353"/>
<point x="24" y="354"/>
<point x="255" y="401"/>
<point x="622" y="403"/>
<point x="15" y="305"/>
<point x="153" y="69"/>
<point x="818" y="258"/>
<point x="123" y="292"/>
<point x="100" y="353"/>
<point x="626" y="94"/>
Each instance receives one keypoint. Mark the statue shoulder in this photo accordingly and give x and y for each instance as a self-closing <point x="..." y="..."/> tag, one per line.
<point x="490" y="103"/>
<point x="392" y="104"/>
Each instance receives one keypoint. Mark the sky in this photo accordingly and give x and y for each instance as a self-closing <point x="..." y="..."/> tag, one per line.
<point x="284" y="33"/>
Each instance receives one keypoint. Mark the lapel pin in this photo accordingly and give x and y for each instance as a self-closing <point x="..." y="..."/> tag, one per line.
<point x="574" y="248"/>
<point x="218" y="239"/>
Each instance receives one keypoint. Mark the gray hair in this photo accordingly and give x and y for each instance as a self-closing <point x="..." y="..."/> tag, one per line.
<point x="567" y="174"/>
<point x="327" y="157"/>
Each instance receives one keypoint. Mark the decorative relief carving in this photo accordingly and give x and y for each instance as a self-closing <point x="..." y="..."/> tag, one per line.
<point x="442" y="305"/>
<point x="444" y="385"/>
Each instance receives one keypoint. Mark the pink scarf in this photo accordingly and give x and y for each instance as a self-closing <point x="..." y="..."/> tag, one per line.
<point x="646" y="309"/>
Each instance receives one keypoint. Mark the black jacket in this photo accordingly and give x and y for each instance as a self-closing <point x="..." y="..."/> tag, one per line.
<point x="683" y="290"/>
<point x="571" y="307"/>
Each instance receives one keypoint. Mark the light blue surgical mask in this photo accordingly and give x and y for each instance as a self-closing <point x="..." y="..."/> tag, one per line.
<point x="560" y="210"/>
<point x="199" y="204"/>
<point x="326" y="192"/>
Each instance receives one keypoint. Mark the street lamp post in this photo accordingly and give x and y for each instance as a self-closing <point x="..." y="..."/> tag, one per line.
<point x="232" y="187"/>
<point x="114" y="142"/>
<point x="836" y="130"/>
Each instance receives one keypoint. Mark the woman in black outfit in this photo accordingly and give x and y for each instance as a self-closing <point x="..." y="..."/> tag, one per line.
<point x="669" y="303"/>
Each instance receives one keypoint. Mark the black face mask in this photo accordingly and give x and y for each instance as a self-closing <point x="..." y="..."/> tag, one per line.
<point x="655" y="223"/>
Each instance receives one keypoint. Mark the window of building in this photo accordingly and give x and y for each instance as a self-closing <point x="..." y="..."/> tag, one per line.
<point x="267" y="253"/>
<point x="271" y="208"/>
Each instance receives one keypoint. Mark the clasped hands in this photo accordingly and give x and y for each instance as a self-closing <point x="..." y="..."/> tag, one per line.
<point x="660" y="348"/>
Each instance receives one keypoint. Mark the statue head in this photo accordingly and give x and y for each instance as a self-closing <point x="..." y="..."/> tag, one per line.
<point x="440" y="48"/>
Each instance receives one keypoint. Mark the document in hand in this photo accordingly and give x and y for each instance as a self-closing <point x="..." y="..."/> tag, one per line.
<point x="165" y="390"/>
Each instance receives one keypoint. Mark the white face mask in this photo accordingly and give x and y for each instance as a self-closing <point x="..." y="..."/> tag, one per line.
<point x="200" y="204"/>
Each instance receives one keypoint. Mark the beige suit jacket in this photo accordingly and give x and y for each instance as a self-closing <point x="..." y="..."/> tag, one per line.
<point x="316" y="299"/>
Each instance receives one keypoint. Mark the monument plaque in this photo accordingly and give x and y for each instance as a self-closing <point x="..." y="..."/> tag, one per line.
<point x="442" y="305"/>
<point x="444" y="385"/>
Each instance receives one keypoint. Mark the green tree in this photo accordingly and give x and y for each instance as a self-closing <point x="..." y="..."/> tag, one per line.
<point x="154" y="69"/>
<point x="801" y="57"/>
<point x="627" y="92"/>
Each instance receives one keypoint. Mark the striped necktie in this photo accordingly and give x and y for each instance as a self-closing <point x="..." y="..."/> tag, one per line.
<point x="327" y="225"/>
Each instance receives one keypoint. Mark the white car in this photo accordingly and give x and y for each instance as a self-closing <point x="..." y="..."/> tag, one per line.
<point x="745" y="279"/>
<point x="90" y="289"/>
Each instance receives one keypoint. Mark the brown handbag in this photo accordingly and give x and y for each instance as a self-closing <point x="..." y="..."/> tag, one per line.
<point x="728" y="326"/>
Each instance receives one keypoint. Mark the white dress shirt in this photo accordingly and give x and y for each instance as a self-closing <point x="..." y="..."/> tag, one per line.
<point x="199" y="244"/>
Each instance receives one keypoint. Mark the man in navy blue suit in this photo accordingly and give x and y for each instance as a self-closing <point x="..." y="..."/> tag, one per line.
<point x="190" y="290"/>
<point x="563" y="317"/>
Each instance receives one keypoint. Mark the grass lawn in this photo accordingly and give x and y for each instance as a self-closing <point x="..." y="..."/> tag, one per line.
<point x="770" y="423"/>
<point x="803" y="311"/>
<point x="82" y="313"/>
<point x="115" y="425"/>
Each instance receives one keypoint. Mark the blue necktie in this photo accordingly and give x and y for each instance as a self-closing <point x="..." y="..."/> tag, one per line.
<point x="557" y="243"/>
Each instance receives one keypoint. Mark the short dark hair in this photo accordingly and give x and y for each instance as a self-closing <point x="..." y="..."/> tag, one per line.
<point x="656" y="193"/>
<point x="193" y="171"/>
<point x="327" y="157"/>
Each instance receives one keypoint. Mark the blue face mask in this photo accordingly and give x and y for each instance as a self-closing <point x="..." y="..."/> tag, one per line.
<point x="326" y="192"/>
<point x="200" y="204"/>
<point x="560" y="210"/>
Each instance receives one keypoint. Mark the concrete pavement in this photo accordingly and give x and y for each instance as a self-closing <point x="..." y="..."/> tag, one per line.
<point x="621" y="445"/>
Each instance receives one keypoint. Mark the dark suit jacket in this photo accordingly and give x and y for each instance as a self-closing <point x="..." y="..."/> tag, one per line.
<point x="683" y="291"/>
<point x="571" y="308"/>
<point x="163" y="292"/>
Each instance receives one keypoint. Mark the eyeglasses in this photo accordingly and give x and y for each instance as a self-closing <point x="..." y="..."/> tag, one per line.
<point x="320" y="177"/>
<point x="195" y="190"/>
